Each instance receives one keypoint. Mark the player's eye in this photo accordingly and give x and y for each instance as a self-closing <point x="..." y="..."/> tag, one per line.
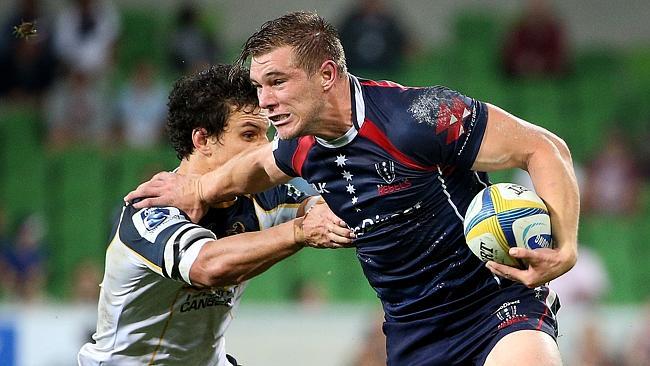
<point x="277" y="82"/>
<point x="249" y="135"/>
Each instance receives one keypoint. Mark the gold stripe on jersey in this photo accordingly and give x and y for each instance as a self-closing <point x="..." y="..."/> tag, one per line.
<point x="269" y="218"/>
<point x="116" y="239"/>
<point x="164" y="330"/>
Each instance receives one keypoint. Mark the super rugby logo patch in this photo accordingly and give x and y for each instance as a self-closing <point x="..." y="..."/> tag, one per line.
<point x="152" y="221"/>
<point x="153" y="217"/>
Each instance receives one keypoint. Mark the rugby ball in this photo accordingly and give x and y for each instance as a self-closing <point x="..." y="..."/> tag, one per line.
<point x="503" y="216"/>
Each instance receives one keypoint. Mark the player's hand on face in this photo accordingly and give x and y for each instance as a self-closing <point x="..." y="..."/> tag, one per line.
<point x="170" y="189"/>
<point x="544" y="265"/>
<point x="323" y="229"/>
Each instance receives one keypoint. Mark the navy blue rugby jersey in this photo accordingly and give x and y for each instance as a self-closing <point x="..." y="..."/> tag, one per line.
<point x="401" y="178"/>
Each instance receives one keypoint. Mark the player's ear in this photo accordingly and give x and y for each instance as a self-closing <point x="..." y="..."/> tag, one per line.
<point x="328" y="74"/>
<point x="200" y="140"/>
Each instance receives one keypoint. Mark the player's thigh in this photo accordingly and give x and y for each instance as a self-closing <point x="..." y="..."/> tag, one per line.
<point x="525" y="347"/>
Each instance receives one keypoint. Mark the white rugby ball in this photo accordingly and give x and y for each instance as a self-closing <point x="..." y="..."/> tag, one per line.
<point x="503" y="216"/>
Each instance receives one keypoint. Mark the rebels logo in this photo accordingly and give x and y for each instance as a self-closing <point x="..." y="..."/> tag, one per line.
<point x="383" y="190"/>
<point x="386" y="170"/>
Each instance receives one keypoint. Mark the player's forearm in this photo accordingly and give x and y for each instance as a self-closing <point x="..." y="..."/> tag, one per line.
<point x="551" y="170"/>
<point x="231" y="260"/>
<point x="246" y="173"/>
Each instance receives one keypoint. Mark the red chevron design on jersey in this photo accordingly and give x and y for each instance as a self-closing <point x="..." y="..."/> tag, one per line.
<point x="450" y="119"/>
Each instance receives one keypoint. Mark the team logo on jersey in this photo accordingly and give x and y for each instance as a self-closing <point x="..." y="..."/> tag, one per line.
<point x="508" y="315"/>
<point x="386" y="170"/>
<point x="384" y="189"/>
<point x="236" y="228"/>
<point x="152" y="221"/>
<point x="152" y="217"/>
<point x="293" y="192"/>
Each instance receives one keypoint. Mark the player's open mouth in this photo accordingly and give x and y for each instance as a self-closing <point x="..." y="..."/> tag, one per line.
<point x="278" y="118"/>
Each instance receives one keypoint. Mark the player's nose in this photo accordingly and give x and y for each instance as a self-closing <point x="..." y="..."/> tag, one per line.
<point x="266" y="98"/>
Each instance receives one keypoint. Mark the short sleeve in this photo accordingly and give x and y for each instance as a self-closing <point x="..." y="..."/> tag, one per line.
<point x="166" y="240"/>
<point x="290" y="155"/>
<point x="443" y="127"/>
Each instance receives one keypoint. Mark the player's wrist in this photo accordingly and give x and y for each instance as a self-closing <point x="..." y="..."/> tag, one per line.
<point x="298" y="233"/>
<point x="568" y="255"/>
<point x="198" y="188"/>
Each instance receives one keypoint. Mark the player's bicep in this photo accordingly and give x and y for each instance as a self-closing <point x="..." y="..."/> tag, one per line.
<point x="508" y="141"/>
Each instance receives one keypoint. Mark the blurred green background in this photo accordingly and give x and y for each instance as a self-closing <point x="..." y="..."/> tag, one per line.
<point x="78" y="188"/>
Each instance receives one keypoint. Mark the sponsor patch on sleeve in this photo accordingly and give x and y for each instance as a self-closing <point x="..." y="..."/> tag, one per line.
<point x="152" y="221"/>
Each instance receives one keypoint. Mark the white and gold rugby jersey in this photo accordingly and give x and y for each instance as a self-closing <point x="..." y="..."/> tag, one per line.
<point x="149" y="313"/>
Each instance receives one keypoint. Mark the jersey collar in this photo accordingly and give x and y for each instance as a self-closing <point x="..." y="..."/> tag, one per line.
<point x="358" y="116"/>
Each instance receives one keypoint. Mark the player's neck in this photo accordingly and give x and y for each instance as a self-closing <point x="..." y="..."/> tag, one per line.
<point x="194" y="165"/>
<point x="337" y="115"/>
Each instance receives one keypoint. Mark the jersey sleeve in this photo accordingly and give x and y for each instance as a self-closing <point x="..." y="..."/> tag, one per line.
<point x="444" y="127"/>
<point x="290" y="155"/>
<point x="277" y="205"/>
<point x="164" y="238"/>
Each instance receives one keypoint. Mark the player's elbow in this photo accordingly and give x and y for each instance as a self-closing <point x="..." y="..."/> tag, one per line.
<point x="548" y="146"/>
<point x="213" y="272"/>
<point x="561" y="147"/>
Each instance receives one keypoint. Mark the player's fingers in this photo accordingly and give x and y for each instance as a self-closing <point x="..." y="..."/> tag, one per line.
<point x="502" y="270"/>
<point x="143" y="190"/>
<point x="338" y="226"/>
<point x="332" y="218"/>
<point x="334" y="245"/>
<point x="342" y="240"/>
<point x="339" y="235"/>
<point x="162" y="176"/>
<point x="342" y="231"/>
<point x="522" y="253"/>
<point x="148" y="202"/>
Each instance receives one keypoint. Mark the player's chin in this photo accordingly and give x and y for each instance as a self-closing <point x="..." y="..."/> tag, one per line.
<point x="287" y="132"/>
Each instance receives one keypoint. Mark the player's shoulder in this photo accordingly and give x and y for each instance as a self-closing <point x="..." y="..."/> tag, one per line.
<point x="391" y="88"/>
<point x="148" y="223"/>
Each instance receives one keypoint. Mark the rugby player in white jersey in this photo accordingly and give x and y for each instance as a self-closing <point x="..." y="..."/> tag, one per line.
<point x="170" y="286"/>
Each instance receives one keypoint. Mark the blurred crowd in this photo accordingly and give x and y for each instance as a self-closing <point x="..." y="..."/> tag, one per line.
<point x="69" y="71"/>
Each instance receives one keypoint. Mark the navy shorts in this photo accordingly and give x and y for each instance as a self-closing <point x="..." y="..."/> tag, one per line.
<point x="467" y="335"/>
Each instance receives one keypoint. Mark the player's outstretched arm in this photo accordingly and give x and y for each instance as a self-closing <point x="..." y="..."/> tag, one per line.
<point x="233" y="259"/>
<point x="511" y="142"/>
<point x="250" y="172"/>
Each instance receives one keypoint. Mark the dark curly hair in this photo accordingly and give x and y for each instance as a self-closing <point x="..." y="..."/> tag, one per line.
<point x="205" y="100"/>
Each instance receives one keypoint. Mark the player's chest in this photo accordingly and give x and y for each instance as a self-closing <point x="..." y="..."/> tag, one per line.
<point x="363" y="178"/>
<point x="236" y="219"/>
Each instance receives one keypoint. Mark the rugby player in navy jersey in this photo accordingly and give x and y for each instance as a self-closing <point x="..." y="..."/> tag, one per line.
<point x="170" y="286"/>
<point x="400" y="165"/>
